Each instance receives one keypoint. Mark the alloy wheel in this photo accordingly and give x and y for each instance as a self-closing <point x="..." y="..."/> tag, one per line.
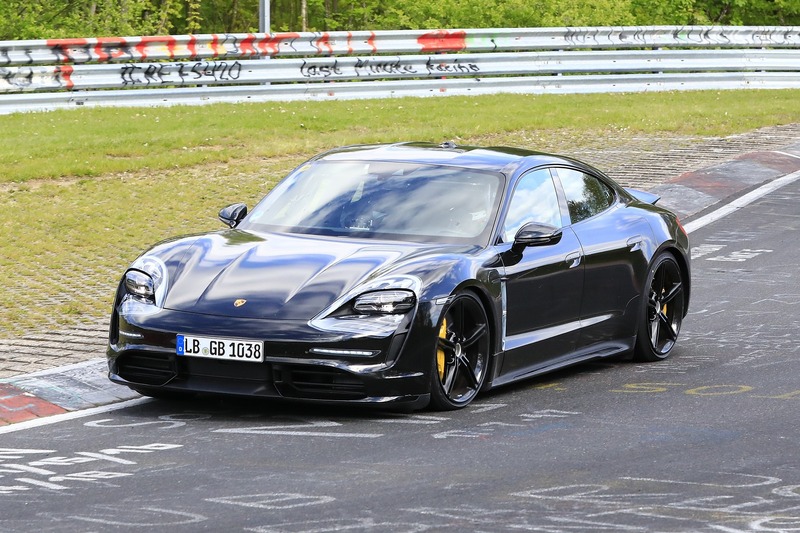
<point x="665" y="307"/>
<point x="461" y="354"/>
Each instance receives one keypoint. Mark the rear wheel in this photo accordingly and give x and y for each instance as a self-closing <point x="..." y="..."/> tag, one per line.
<point x="662" y="310"/>
<point x="462" y="353"/>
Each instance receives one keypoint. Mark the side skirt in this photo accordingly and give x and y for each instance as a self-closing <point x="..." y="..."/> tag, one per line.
<point x="597" y="351"/>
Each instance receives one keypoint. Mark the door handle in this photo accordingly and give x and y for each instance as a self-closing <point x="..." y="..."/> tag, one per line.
<point x="635" y="243"/>
<point x="573" y="259"/>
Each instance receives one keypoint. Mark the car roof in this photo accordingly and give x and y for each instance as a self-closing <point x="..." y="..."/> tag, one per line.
<point x="498" y="159"/>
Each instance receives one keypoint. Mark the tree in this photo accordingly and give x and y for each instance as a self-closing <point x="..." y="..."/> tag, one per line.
<point x="750" y="12"/>
<point x="39" y="19"/>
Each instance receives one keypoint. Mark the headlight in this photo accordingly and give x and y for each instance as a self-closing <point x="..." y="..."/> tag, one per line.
<point x="141" y="286"/>
<point x="374" y="309"/>
<point x="385" y="302"/>
<point x="145" y="282"/>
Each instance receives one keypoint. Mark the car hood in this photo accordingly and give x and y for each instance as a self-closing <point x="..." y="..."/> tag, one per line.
<point x="278" y="276"/>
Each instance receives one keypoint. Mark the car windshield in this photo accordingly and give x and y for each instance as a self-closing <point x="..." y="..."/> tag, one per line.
<point x="384" y="200"/>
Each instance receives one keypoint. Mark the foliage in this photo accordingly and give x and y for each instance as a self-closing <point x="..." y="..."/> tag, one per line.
<point x="498" y="14"/>
<point x="39" y="19"/>
<point x="748" y="12"/>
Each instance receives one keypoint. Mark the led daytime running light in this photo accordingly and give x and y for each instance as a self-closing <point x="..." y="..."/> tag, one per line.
<point x="336" y="351"/>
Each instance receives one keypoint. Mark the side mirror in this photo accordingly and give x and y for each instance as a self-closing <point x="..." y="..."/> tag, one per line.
<point x="233" y="214"/>
<point x="535" y="234"/>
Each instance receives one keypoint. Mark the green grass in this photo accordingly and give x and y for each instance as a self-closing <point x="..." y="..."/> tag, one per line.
<point x="98" y="142"/>
<point x="83" y="192"/>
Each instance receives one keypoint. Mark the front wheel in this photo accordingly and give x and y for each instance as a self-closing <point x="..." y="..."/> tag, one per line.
<point x="662" y="310"/>
<point x="462" y="353"/>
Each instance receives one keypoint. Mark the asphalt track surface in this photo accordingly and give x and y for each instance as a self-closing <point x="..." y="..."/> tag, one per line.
<point x="705" y="441"/>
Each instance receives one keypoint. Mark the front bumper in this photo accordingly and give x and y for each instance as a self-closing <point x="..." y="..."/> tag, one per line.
<point x="142" y="356"/>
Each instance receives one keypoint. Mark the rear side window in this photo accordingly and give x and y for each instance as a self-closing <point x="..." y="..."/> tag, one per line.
<point x="586" y="195"/>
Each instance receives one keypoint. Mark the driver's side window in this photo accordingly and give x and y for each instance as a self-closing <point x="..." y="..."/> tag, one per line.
<point x="534" y="200"/>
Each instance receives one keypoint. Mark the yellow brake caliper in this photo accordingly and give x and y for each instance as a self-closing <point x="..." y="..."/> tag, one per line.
<point x="439" y="351"/>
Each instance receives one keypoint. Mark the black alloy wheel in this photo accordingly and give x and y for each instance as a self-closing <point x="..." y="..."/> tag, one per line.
<point x="663" y="310"/>
<point x="462" y="353"/>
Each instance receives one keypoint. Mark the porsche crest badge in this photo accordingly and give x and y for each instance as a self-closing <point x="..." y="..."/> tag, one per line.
<point x="240" y="302"/>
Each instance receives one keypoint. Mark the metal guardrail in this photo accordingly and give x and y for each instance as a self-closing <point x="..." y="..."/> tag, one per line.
<point x="48" y="74"/>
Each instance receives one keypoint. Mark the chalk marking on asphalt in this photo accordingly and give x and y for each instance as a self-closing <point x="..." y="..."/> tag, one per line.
<point x="306" y="433"/>
<point x="293" y="430"/>
<point x="742" y="201"/>
<point x="46" y="421"/>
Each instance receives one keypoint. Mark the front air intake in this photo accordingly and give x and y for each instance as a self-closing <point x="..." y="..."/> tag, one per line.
<point x="317" y="383"/>
<point x="147" y="368"/>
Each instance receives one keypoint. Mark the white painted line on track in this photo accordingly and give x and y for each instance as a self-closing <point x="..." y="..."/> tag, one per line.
<point x="54" y="419"/>
<point x="741" y="202"/>
<point x="787" y="154"/>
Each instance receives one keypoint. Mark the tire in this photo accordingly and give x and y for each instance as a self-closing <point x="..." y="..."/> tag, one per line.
<point x="461" y="358"/>
<point x="662" y="311"/>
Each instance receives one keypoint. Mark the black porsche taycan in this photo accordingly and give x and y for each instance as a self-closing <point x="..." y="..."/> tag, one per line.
<point x="405" y="275"/>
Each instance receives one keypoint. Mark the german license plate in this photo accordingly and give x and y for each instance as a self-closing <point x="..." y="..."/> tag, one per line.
<point x="220" y="348"/>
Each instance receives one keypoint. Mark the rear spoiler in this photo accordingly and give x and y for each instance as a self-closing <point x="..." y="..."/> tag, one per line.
<point x="642" y="196"/>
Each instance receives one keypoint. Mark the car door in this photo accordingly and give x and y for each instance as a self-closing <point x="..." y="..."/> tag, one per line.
<point x="542" y="284"/>
<point x="614" y="240"/>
